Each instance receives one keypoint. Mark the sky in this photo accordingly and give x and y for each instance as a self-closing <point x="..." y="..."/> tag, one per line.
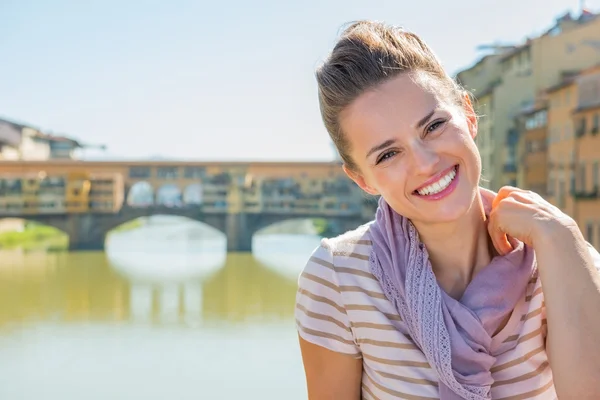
<point x="219" y="80"/>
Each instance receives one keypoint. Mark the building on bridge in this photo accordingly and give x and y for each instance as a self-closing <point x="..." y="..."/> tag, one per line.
<point x="88" y="199"/>
<point x="23" y="142"/>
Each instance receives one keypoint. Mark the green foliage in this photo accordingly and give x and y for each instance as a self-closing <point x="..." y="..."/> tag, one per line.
<point x="320" y="225"/>
<point x="34" y="236"/>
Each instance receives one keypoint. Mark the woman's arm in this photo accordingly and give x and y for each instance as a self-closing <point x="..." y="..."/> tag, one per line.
<point x="571" y="285"/>
<point x="332" y="359"/>
<point x="330" y="375"/>
<point x="570" y="281"/>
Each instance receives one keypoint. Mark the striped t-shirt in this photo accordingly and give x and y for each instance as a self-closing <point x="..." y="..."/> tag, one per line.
<point x="341" y="306"/>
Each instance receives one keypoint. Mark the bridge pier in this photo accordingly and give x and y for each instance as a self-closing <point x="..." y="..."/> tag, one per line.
<point x="86" y="232"/>
<point x="239" y="237"/>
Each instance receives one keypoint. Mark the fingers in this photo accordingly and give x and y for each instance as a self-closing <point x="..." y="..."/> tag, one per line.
<point x="499" y="238"/>
<point x="503" y="193"/>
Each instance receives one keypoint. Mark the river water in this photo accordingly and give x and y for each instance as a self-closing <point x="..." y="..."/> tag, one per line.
<point x="164" y="313"/>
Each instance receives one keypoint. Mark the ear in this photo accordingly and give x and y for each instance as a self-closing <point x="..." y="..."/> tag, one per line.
<point x="359" y="180"/>
<point x="471" y="116"/>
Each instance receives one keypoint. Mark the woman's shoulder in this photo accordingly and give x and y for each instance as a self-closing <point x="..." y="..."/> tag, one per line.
<point x="334" y="254"/>
<point x="595" y="256"/>
<point x="321" y="315"/>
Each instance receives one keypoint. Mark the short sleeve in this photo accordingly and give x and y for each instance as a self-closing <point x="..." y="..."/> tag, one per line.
<point x="595" y="256"/>
<point x="321" y="318"/>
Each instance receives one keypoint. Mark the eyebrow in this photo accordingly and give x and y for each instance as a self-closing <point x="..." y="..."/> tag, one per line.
<point x="381" y="146"/>
<point x="424" y="120"/>
<point x="390" y="142"/>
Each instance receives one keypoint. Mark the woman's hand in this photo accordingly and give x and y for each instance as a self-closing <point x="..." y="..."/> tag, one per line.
<point x="522" y="215"/>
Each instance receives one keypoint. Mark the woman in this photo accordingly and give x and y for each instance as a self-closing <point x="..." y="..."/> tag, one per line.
<point x="452" y="291"/>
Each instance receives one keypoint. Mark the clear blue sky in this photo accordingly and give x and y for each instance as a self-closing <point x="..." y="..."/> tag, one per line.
<point x="219" y="80"/>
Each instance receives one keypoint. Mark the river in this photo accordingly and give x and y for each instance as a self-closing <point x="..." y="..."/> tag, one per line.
<point x="164" y="313"/>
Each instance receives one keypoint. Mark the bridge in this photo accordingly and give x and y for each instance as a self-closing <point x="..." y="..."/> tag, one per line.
<point x="88" y="231"/>
<point x="86" y="200"/>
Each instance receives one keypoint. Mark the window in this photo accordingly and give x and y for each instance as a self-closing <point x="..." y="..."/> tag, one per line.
<point x="595" y="175"/>
<point x="536" y="120"/>
<point x="596" y="124"/>
<point x="561" y="194"/>
<point x="551" y="184"/>
<point x="590" y="232"/>
<point x="193" y="172"/>
<point x="139" y="172"/>
<point x="167" y="172"/>
<point x="582" y="183"/>
<point x="582" y="127"/>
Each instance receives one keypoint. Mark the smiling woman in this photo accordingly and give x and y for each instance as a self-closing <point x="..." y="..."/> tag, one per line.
<point x="452" y="291"/>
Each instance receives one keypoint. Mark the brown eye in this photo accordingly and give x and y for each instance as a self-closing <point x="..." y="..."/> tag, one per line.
<point x="434" y="126"/>
<point x="386" y="156"/>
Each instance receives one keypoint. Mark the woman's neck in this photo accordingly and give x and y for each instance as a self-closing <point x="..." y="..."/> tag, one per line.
<point x="458" y="250"/>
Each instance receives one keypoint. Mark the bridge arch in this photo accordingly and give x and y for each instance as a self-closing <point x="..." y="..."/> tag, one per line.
<point x="131" y="217"/>
<point x="193" y="194"/>
<point x="141" y="194"/>
<point x="323" y="225"/>
<point x="293" y="225"/>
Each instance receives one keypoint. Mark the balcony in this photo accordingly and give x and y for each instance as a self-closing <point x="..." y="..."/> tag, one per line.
<point x="587" y="195"/>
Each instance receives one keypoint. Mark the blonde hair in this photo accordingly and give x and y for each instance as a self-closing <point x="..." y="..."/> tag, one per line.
<point x="367" y="54"/>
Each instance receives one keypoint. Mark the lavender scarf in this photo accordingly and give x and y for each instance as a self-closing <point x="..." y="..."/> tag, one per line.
<point x="455" y="336"/>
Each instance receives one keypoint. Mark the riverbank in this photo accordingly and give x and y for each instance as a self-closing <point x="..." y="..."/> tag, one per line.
<point x="34" y="236"/>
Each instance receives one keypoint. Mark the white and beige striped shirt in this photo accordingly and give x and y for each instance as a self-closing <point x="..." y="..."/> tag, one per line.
<point x="341" y="306"/>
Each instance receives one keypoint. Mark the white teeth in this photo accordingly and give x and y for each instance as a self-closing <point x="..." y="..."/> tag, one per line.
<point x="438" y="186"/>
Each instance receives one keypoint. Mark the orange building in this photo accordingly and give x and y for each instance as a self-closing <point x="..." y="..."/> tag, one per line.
<point x="574" y="149"/>
<point x="586" y="117"/>
<point x="561" y="144"/>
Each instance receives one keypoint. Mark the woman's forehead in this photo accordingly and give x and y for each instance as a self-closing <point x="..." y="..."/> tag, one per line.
<point x="398" y="104"/>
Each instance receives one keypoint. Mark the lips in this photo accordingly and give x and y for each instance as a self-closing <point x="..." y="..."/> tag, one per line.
<point x="438" y="183"/>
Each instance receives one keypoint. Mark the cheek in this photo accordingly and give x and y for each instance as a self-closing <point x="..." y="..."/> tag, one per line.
<point x="471" y="156"/>
<point x="391" y="180"/>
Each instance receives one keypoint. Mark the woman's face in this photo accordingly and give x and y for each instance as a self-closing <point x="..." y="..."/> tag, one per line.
<point x="414" y="148"/>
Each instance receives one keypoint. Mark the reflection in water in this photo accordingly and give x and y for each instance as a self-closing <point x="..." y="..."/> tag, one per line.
<point x="80" y="287"/>
<point x="168" y="321"/>
<point x="273" y="251"/>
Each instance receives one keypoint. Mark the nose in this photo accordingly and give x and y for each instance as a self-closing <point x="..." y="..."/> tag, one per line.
<point x="424" y="159"/>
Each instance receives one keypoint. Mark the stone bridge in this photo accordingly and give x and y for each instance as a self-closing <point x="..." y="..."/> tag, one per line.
<point x="87" y="231"/>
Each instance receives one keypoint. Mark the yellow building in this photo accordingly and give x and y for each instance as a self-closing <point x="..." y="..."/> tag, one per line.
<point x="570" y="45"/>
<point x="106" y="193"/>
<point x="77" y="192"/>
<point x="485" y="138"/>
<point x="515" y="94"/>
<point x="501" y="93"/>
<point x="525" y="73"/>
